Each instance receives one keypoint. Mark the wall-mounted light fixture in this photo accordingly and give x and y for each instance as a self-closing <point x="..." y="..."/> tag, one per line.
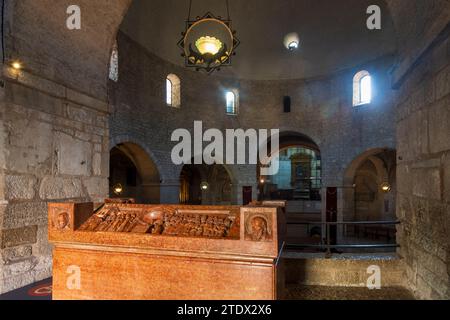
<point x="118" y="189"/>
<point x="16" y="65"/>
<point x="204" y="186"/>
<point x="386" y="187"/>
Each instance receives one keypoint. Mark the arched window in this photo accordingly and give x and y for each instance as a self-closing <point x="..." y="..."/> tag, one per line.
<point x="173" y="91"/>
<point x="232" y="102"/>
<point x="168" y="92"/>
<point x="114" y="64"/>
<point x="362" y="88"/>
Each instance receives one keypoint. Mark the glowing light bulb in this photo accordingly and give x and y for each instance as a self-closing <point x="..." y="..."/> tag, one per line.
<point x="118" y="189"/>
<point x="291" y="41"/>
<point x="16" y="65"/>
<point x="204" y="186"/>
<point x="386" y="187"/>
<point x="208" y="45"/>
<point x="293" y="45"/>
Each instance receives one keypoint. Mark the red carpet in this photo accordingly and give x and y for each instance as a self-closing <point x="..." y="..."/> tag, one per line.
<point x="41" y="290"/>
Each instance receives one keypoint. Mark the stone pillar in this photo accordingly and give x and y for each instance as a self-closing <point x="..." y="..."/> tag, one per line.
<point x="150" y="193"/>
<point x="170" y="192"/>
<point x="340" y="214"/>
<point x="324" y="211"/>
<point x="236" y="194"/>
<point x="339" y="218"/>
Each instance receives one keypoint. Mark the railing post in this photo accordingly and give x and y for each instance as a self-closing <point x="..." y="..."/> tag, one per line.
<point x="328" y="254"/>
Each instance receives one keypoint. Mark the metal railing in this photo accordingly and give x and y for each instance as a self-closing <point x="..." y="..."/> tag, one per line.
<point x="329" y="241"/>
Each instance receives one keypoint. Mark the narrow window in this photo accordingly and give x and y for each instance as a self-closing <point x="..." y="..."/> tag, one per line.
<point x="287" y="104"/>
<point x="366" y="90"/>
<point x="168" y="92"/>
<point x="362" y="88"/>
<point x="173" y="91"/>
<point x="114" y="64"/>
<point x="231" y="102"/>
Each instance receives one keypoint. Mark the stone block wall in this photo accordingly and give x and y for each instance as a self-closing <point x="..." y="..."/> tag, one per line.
<point x="423" y="134"/>
<point x="54" y="146"/>
<point x="351" y="271"/>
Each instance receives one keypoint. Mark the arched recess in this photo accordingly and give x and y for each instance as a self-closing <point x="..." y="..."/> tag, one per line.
<point x="364" y="198"/>
<point x="135" y="171"/>
<point x="78" y="59"/>
<point x="300" y="172"/>
<point x="206" y="185"/>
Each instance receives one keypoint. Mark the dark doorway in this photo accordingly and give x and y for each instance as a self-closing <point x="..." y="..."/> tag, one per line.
<point x="205" y="185"/>
<point x="134" y="173"/>
<point x="247" y="195"/>
<point x="190" y="180"/>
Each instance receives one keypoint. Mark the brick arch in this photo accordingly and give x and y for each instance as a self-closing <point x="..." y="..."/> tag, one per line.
<point x="233" y="174"/>
<point x="359" y="160"/>
<point x="312" y="137"/>
<point x="115" y="141"/>
<point x="349" y="177"/>
<point x="290" y="138"/>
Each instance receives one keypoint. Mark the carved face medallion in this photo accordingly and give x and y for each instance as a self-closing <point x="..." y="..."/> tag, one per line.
<point x="61" y="221"/>
<point x="258" y="228"/>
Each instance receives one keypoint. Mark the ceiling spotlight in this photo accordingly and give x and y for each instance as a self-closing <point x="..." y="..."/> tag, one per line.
<point x="16" y="65"/>
<point x="292" y="41"/>
<point x="293" y="45"/>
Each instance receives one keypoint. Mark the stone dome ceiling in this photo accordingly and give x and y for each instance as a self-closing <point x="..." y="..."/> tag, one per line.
<point x="333" y="34"/>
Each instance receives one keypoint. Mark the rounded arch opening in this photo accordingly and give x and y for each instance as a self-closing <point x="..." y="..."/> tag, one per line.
<point x="205" y="185"/>
<point x="135" y="172"/>
<point x="299" y="177"/>
<point x="370" y="187"/>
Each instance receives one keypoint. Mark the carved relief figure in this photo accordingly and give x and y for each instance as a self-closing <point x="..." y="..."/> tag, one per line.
<point x="159" y="221"/>
<point x="62" y="221"/>
<point x="258" y="227"/>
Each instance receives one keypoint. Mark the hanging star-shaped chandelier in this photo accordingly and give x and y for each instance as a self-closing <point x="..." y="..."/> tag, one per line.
<point x="208" y="42"/>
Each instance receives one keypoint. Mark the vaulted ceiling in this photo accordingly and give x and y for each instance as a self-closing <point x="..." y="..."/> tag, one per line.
<point x="333" y="33"/>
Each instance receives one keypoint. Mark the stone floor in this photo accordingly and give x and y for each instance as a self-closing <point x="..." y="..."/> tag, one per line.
<point x="42" y="291"/>
<point x="346" y="293"/>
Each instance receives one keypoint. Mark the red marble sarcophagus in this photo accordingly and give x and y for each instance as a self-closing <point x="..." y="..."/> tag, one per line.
<point x="131" y="251"/>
